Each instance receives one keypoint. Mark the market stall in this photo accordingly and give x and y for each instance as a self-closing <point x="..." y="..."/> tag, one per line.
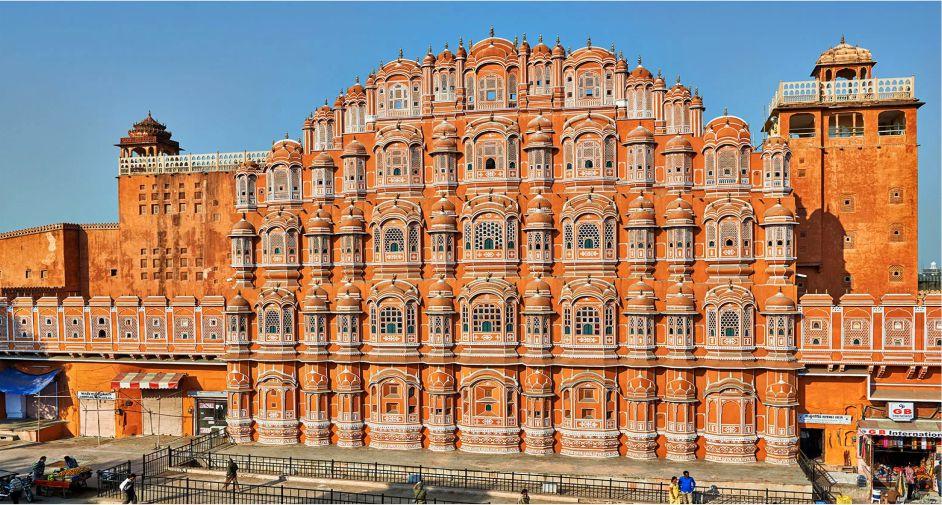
<point x="886" y="448"/>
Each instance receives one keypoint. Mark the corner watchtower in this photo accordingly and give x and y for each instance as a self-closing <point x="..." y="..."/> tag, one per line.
<point x="148" y="137"/>
<point x="854" y="174"/>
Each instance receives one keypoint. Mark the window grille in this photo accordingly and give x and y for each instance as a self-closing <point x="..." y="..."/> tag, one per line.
<point x="588" y="236"/>
<point x="390" y="319"/>
<point x="485" y="318"/>
<point x="393" y="240"/>
<point x="587" y="321"/>
<point x="487" y="236"/>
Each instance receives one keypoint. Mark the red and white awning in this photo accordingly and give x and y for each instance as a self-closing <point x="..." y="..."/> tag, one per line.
<point x="140" y="380"/>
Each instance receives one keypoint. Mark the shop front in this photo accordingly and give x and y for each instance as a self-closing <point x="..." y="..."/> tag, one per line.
<point x="887" y="449"/>
<point x="210" y="411"/>
<point x="151" y="403"/>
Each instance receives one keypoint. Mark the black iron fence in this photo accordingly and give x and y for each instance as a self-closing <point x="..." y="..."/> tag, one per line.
<point x="186" y="490"/>
<point x="618" y="490"/>
<point x="108" y="479"/>
<point x="821" y="480"/>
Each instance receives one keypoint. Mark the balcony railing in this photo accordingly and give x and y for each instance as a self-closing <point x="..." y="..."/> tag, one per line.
<point x="857" y="90"/>
<point x="395" y="113"/>
<point x="597" y="101"/>
<point x="678" y="130"/>
<point x="187" y="163"/>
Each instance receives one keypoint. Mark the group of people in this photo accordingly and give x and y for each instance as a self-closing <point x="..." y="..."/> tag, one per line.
<point x="18" y="487"/>
<point x="681" y="490"/>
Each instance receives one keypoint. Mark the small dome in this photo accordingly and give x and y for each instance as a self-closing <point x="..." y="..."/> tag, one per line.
<point x="429" y="58"/>
<point x="440" y="286"/>
<point x="727" y="128"/>
<point x="678" y="144"/>
<point x="641" y="297"/>
<point x="696" y="101"/>
<point x="539" y="202"/>
<point x="354" y="148"/>
<point x="679" y="210"/>
<point x="323" y="112"/>
<point x="314" y="380"/>
<point x="238" y="301"/>
<point x="323" y="160"/>
<point x="445" y="221"/>
<point x="460" y="52"/>
<point x="778" y="212"/>
<point x="621" y="65"/>
<point x="441" y="303"/>
<point x="349" y="289"/>
<point x="539" y="139"/>
<point x="559" y="51"/>
<point x="641" y="211"/>
<point x="348" y="303"/>
<point x="659" y="81"/>
<point x="781" y="392"/>
<point x="540" y="50"/>
<point x="285" y="151"/>
<point x="352" y="217"/>
<point x="248" y="165"/>
<point x="639" y="387"/>
<point x="845" y="53"/>
<point x="640" y="135"/>
<point x="356" y="90"/>
<point x="444" y="145"/>
<point x="681" y="389"/>
<point x="440" y="380"/>
<point x="774" y="143"/>
<point x="443" y="205"/>
<point x="779" y="302"/>
<point x="538" y="382"/>
<point x="347" y="381"/>
<point x="680" y="297"/>
<point x="537" y="285"/>
<point x="242" y="227"/>
<point x="640" y="72"/>
<point x="445" y="129"/>
<point x="539" y="122"/>
<point x="445" y="56"/>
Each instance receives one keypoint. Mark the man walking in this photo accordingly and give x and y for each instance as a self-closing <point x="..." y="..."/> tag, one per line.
<point x="686" y="485"/>
<point x="524" y="496"/>
<point x="232" y="476"/>
<point x="130" y="496"/>
<point x="419" y="492"/>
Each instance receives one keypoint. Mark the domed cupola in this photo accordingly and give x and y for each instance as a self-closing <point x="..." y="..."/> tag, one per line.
<point x="844" y="61"/>
<point x="641" y="212"/>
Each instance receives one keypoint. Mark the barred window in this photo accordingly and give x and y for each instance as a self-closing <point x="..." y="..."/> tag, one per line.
<point x="588" y="235"/>
<point x="416" y="155"/>
<point x="414" y="238"/>
<point x="487" y="236"/>
<point x="609" y="320"/>
<point x="395" y="161"/>
<point x="287" y="322"/>
<point x="610" y="234"/>
<point x="410" y="318"/>
<point x="727" y="162"/>
<point x="390" y="319"/>
<point x="393" y="240"/>
<point x="567" y="235"/>
<point x="272" y="322"/>
<point x="587" y="321"/>
<point x="485" y="318"/>
<point x="856" y="332"/>
<point x="609" y="153"/>
<point x="567" y="320"/>
<point x="729" y="323"/>
<point x="512" y="155"/>
<point x="588" y="154"/>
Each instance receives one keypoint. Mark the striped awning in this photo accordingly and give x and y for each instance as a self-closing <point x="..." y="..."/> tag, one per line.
<point x="140" y="380"/>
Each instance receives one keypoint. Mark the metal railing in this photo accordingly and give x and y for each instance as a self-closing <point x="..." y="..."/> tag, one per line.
<point x="821" y="480"/>
<point x="108" y="479"/>
<point x="618" y="490"/>
<point x="187" y="163"/>
<point x="187" y="490"/>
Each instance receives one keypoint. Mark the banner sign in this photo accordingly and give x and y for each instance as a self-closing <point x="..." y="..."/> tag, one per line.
<point x="823" y="419"/>
<point x="95" y="395"/>
<point x="900" y="433"/>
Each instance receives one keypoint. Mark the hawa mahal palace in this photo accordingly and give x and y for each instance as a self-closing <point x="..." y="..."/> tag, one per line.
<point x="500" y="248"/>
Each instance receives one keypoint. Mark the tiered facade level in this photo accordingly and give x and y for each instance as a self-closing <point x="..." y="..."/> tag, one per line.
<point x="499" y="249"/>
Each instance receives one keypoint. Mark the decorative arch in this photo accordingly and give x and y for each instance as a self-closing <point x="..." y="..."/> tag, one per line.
<point x="590" y="228"/>
<point x="589" y="314"/>
<point x="730" y="318"/>
<point x="729" y="227"/>
<point x="394" y="319"/>
<point x="280" y="232"/>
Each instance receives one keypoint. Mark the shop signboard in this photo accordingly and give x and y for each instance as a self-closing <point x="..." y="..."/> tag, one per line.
<point x="97" y="395"/>
<point x="900" y="411"/>
<point x="900" y="433"/>
<point x="823" y="419"/>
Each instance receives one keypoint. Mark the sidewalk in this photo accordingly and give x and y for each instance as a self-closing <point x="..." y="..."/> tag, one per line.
<point x="751" y="476"/>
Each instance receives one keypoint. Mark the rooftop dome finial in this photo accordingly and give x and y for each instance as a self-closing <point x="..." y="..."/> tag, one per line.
<point x="400" y="53"/>
<point x="696" y="91"/>
<point x="446" y="45"/>
<point x="612" y="49"/>
<point x="491" y="32"/>
<point x="524" y="36"/>
<point x="540" y="39"/>
<point x="678" y="78"/>
<point x="430" y="49"/>
<point x="557" y="40"/>
<point x="460" y="41"/>
<point x="842" y="38"/>
<point x="515" y="40"/>
<point x="286" y="136"/>
<point x="725" y="111"/>
<point x="358" y="79"/>
<point x="639" y="60"/>
<point x="588" y="42"/>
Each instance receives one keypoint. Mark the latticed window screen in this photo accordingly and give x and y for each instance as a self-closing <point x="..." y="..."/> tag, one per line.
<point x="272" y="322"/>
<point x="588" y="235"/>
<point x="587" y="321"/>
<point x="395" y="163"/>
<point x="512" y="154"/>
<point x="287" y="318"/>
<point x="416" y="159"/>
<point x="390" y="321"/>
<point x="183" y="328"/>
<point x="815" y="331"/>
<point x="610" y="235"/>
<point x="487" y="236"/>
<point x="155" y="328"/>
<point x="509" y="316"/>
<point x="898" y="332"/>
<point x="727" y="162"/>
<point x="410" y="318"/>
<point x="610" y="152"/>
<point x="485" y="318"/>
<point x="934" y="333"/>
<point x="588" y="154"/>
<point x="729" y="323"/>
<point x="393" y="240"/>
<point x="567" y="235"/>
<point x="129" y="328"/>
<point x="857" y="332"/>
<point x="609" y="320"/>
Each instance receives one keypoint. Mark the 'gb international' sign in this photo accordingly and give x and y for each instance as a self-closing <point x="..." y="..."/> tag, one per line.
<point x="900" y="411"/>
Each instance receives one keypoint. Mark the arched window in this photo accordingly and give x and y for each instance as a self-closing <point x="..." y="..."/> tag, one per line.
<point x="588" y="235"/>
<point x="587" y="321"/>
<point x="490" y="89"/>
<point x="588" y="156"/>
<point x="393" y="239"/>
<point x="589" y="84"/>
<point x="390" y="321"/>
<point x="398" y="97"/>
<point x="488" y="236"/>
<point x="485" y="318"/>
<point x="396" y="161"/>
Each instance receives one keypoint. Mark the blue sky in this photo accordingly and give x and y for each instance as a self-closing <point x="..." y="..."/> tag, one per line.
<point x="231" y="77"/>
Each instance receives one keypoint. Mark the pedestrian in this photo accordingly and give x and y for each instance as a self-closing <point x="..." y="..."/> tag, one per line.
<point x="524" y="496"/>
<point x="673" y="496"/>
<point x="910" y="473"/>
<point x="232" y="476"/>
<point x="686" y="484"/>
<point x="130" y="496"/>
<point x="38" y="470"/>
<point x="418" y="490"/>
<point x="938" y="474"/>
<point x="16" y="488"/>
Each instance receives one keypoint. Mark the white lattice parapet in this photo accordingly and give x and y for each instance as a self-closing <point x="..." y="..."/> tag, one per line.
<point x="187" y="163"/>
<point x="857" y="90"/>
